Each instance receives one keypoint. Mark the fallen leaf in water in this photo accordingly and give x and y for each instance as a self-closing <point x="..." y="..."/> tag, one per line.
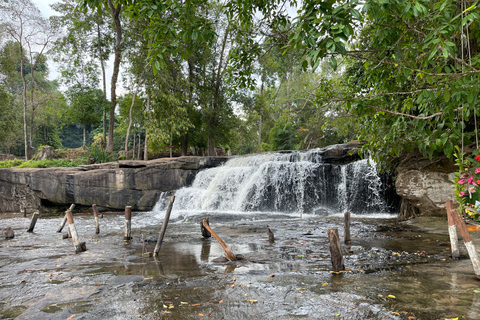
<point x="411" y="317"/>
<point x="201" y="314"/>
<point x="452" y="318"/>
<point x="271" y="276"/>
<point x="252" y="301"/>
<point x="476" y="291"/>
<point x="232" y="285"/>
<point x="71" y="317"/>
<point x="391" y="296"/>
<point x="195" y="304"/>
<point x="473" y="228"/>
<point x="221" y="301"/>
<point x="324" y="284"/>
<point x="97" y="285"/>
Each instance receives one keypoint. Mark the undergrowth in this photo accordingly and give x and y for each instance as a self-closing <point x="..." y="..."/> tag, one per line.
<point x="17" y="163"/>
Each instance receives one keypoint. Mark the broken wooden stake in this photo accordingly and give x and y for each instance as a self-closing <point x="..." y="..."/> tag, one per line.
<point x="452" y="230"/>
<point x="335" y="250"/>
<point x="64" y="221"/>
<point x="228" y="252"/>
<point x="97" y="224"/>
<point x="8" y="233"/>
<point x="472" y="253"/>
<point x="346" y="227"/>
<point x="205" y="232"/>
<point x="33" y="222"/>
<point x="79" y="247"/>
<point x="128" y="223"/>
<point x="271" y="236"/>
<point x="164" y="227"/>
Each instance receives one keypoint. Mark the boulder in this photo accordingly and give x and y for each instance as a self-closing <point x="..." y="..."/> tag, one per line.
<point x="425" y="184"/>
<point x="8" y="233"/>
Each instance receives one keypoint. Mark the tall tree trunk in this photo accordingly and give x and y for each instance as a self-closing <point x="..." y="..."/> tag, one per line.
<point x="260" y="123"/>
<point x="24" y="94"/>
<point x="139" y="145"/>
<point x="216" y="96"/>
<point x="133" y="147"/>
<point x="170" y="146"/>
<point x="116" y="67"/>
<point x="84" y="134"/>
<point x="104" y="82"/>
<point x="145" y="152"/>
<point x="130" y="111"/>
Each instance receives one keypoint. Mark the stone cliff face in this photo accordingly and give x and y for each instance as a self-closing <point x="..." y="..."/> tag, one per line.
<point x="425" y="184"/>
<point x="112" y="185"/>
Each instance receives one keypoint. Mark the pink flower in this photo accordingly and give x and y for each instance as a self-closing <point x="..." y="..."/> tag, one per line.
<point x="461" y="181"/>
<point x="477" y="158"/>
<point x="470" y="180"/>
<point x="477" y="170"/>
<point x="471" y="189"/>
<point x="462" y="194"/>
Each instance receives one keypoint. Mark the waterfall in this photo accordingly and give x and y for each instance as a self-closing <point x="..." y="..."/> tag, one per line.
<point x="291" y="183"/>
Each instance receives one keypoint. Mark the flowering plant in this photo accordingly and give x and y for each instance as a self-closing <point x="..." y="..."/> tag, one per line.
<point x="467" y="183"/>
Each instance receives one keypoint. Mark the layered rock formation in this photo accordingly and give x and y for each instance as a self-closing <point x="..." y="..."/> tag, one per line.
<point x="112" y="185"/>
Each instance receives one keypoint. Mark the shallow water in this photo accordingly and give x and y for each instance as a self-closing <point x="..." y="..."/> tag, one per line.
<point x="394" y="271"/>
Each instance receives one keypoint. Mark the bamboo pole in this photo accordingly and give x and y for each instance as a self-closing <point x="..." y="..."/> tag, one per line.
<point x="346" y="227"/>
<point x="228" y="252"/>
<point x="164" y="227"/>
<point x="64" y="221"/>
<point x="79" y="247"/>
<point x="335" y="249"/>
<point x="452" y="230"/>
<point x="128" y="223"/>
<point x="33" y="222"/>
<point x="97" y="224"/>
<point x="472" y="253"/>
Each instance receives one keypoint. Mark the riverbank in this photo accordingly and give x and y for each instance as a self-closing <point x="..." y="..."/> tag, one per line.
<point x="394" y="271"/>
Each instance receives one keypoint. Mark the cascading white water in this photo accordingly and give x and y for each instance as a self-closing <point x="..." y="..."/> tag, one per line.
<point x="291" y="183"/>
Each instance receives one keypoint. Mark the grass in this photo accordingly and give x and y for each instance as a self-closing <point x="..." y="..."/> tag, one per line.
<point x="17" y="163"/>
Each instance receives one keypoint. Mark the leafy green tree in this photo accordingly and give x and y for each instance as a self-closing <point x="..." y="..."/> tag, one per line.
<point x="85" y="106"/>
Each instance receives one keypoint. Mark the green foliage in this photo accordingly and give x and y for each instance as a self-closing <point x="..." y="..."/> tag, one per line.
<point x="99" y="154"/>
<point x="17" y="163"/>
<point x="284" y="137"/>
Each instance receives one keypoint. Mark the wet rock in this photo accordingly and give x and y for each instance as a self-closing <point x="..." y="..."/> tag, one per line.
<point x="8" y="233"/>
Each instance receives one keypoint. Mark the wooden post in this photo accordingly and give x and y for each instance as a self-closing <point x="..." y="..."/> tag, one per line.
<point x="33" y="222"/>
<point x="205" y="232"/>
<point x="452" y="230"/>
<point x="228" y="252"/>
<point x="128" y="223"/>
<point x="346" y="227"/>
<point x="79" y="247"/>
<point x="335" y="249"/>
<point x="64" y="221"/>
<point x="97" y="224"/>
<point x="472" y="253"/>
<point x="164" y="227"/>
<point x="271" y="236"/>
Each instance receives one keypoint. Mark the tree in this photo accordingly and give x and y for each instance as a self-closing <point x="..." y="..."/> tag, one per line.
<point x="85" y="106"/>
<point x="23" y="23"/>
<point x="115" y="9"/>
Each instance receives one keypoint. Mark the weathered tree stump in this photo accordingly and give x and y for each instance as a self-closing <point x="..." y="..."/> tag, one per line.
<point x="128" y="223"/>
<point x="346" y="227"/>
<point x="8" y="233"/>
<point x="472" y="253"/>
<point x="97" y="224"/>
<point x="205" y="232"/>
<point x="33" y="222"/>
<point x="228" y="252"/>
<point x="164" y="227"/>
<point x="271" y="236"/>
<point x="73" y="231"/>
<point x="452" y="230"/>
<point x="335" y="250"/>
<point x="64" y="221"/>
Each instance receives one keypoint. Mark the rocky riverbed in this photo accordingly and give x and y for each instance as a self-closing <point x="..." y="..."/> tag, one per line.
<point x="393" y="270"/>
